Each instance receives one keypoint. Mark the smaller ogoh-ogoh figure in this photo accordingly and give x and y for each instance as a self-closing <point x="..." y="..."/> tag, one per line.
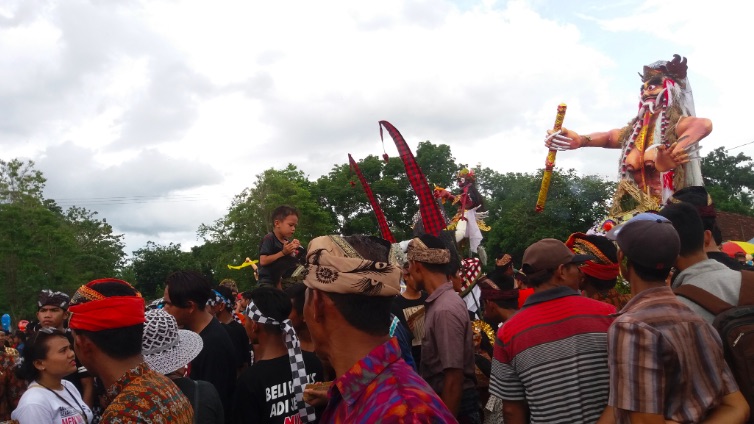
<point x="660" y="145"/>
<point x="468" y="223"/>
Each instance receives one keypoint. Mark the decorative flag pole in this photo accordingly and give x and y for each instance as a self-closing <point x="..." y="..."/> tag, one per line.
<point x="384" y="228"/>
<point x="550" y="162"/>
<point x="432" y="218"/>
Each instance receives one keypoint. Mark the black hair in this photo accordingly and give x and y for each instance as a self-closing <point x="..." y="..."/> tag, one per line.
<point x="21" y="335"/>
<point x="649" y="274"/>
<point x="36" y="349"/>
<point x="688" y="224"/>
<point x="117" y="343"/>
<point x="272" y="303"/>
<point x="698" y="197"/>
<point x="282" y="212"/>
<point x="246" y="295"/>
<point x="433" y="242"/>
<point x="370" y="314"/>
<point x="539" y="278"/>
<point x="297" y="293"/>
<point x="185" y="286"/>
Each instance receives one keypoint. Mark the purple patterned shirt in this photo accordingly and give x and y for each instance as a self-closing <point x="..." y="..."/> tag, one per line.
<point x="382" y="388"/>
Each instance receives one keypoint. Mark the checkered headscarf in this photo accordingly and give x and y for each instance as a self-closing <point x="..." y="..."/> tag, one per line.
<point x="298" y="369"/>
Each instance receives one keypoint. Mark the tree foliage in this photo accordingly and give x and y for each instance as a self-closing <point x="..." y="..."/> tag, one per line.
<point x="729" y="181"/>
<point x="153" y="263"/>
<point x="42" y="246"/>
<point x="574" y="204"/>
<point x="341" y="193"/>
<point x="238" y="234"/>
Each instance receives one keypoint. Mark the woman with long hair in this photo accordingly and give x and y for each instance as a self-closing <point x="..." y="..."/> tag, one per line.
<point x="47" y="358"/>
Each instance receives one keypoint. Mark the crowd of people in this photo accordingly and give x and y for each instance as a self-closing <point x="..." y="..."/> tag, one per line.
<point x="372" y="332"/>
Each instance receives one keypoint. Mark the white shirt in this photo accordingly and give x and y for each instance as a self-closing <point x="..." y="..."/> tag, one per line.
<point x="40" y="406"/>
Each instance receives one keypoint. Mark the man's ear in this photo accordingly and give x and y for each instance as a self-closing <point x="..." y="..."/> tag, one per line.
<point x="83" y="345"/>
<point x="708" y="238"/>
<point x="319" y="304"/>
<point x="622" y="264"/>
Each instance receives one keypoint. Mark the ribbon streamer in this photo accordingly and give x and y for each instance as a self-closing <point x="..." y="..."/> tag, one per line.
<point x="381" y="221"/>
<point x="432" y="219"/>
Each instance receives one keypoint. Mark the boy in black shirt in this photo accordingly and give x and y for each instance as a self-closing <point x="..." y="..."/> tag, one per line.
<point x="266" y="391"/>
<point x="278" y="250"/>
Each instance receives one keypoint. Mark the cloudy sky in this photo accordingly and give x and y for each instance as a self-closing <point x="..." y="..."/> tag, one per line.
<point x="156" y="113"/>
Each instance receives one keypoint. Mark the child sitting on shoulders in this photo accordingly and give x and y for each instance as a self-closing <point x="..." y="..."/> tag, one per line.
<point x="279" y="251"/>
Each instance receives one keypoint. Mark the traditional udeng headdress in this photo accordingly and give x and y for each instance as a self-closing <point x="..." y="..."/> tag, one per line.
<point x="93" y="311"/>
<point x="418" y="251"/>
<point x="51" y="298"/>
<point x="298" y="368"/>
<point x="601" y="267"/>
<point x="334" y="266"/>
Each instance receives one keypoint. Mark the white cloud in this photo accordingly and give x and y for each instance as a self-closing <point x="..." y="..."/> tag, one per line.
<point x="195" y="98"/>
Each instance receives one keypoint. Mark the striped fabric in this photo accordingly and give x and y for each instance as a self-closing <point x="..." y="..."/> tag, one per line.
<point x="553" y="355"/>
<point x="665" y="359"/>
<point x="430" y="212"/>
<point x="381" y="221"/>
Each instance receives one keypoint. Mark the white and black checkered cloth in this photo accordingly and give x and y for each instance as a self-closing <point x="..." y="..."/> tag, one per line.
<point x="298" y="369"/>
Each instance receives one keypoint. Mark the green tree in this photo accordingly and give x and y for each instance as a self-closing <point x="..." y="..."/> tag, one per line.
<point x="154" y="262"/>
<point x="729" y="181"/>
<point x="100" y="251"/>
<point x="238" y="234"/>
<point x="41" y="246"/>
<point x="341" y="193"/>
<point x="574" y="204"/>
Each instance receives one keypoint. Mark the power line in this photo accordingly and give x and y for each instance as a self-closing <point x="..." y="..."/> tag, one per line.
<point x="128" y="200"/>
<point x="745" y="144"/>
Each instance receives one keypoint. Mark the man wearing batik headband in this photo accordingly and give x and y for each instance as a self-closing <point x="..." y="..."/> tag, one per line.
<point x="600" y="273"/>
<point x="107" y="320"/>
<point x="52" y="312"/>
<point x="447" y="347"/>
<point x="271" y="390"/>
<point x="350" y="288"/>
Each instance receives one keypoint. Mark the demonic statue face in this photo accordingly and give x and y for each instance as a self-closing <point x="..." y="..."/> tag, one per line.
<point x="652" y="87"/>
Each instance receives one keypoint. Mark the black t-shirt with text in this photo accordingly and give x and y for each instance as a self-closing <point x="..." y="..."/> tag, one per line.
<point x="264" y="392"/>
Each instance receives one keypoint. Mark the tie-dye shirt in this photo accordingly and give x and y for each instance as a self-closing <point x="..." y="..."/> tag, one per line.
<point x="382" y="388"/>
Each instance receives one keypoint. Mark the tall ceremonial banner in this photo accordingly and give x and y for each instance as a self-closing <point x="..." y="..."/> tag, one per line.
<point x="384" y="228"/>
<point x="550" y="162"/>
<point x="431" y="216"/>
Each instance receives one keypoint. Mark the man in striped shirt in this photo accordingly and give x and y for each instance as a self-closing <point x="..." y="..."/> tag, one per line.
<point x="666" y="362"/>
<point x="550" y="359"/>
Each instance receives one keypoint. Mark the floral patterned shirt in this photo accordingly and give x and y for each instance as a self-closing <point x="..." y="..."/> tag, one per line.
<point x="11" y="388"/>
<point x="145" y="396"/>
<point x="382" y="388"/>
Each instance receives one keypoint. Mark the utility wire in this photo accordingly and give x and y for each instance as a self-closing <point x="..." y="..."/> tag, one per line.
<point x="745" y="144"/>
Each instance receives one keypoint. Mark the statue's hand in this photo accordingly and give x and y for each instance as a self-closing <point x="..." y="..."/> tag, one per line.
<point x="673" y="156"/>
<point x="561" y="140"/>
